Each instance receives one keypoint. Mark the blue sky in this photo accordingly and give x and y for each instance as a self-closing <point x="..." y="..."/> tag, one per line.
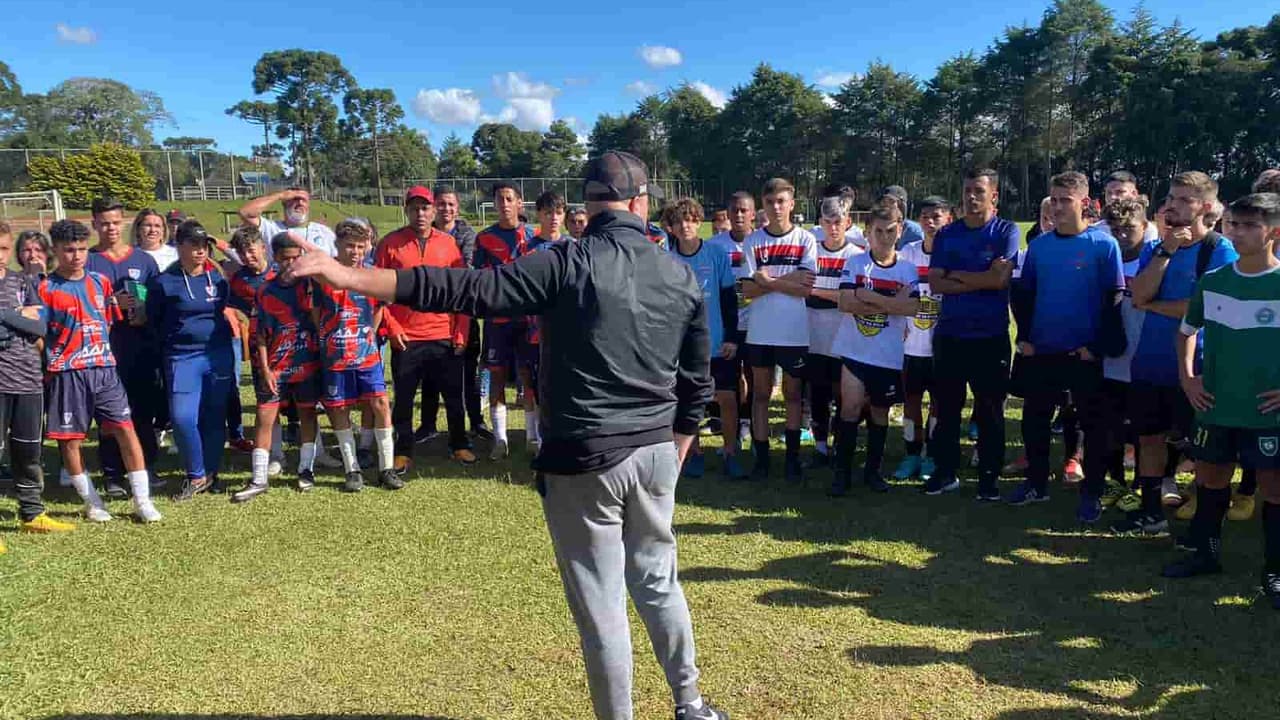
<point x="454" y="66"/>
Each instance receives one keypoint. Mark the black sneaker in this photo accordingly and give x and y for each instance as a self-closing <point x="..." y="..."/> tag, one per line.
<point x="1200" y="562"/>
<point x="938" y="485"/>
<point x="115" y="490"/>
<point x="794" y="473"/>
<point x="706" y="711"/>
<point x="354" y="482"/>
<point x="1271" y="587"/>
<point x="390" y="480"/>
<point x="424" y="434"/>
<point x="1141" y="523"/>
<point x="875" y="482"/>
<point x="306" y="480"/>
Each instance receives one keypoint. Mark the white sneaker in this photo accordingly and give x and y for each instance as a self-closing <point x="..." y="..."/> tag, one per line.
<point x="274" y="469"/>
<point x="97" y="514"/>
<point x="145" y="511"/>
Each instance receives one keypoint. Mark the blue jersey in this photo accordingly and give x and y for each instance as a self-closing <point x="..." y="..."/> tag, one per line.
<point x="136" y="268"/>
<point x="189" y="310"/>
<point x="711" y="268"/>
<point x="1068" y="276"/>
<point x="1156" y="361"/>
<point x="497" y="246"/>
<point x="957" y="247"/>
<point x="911" y="232"/>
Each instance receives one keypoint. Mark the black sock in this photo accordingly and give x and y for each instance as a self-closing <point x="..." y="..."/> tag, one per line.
<point x="846" y="445"/>
<point x="761" y="448"/>
<point x="1248" y="483"/>
<point x="1171" y="464"/>
<point x="914" y="447"/>
<point x="1211" y="508"/>
<point x="793" y="443"/>
<point x="1150" y="489"/>
<point x="1271" y="535"/>
<point x="876" y="435"/>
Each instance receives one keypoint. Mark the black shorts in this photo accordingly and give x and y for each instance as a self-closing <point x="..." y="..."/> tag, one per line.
<point x="302" y="393"/>
<point x="508" y="346"/>
<point x="74" y="398"/>
<point x="917" y="375"/>
<point x="726" y="373"/>
<point x="1253" y="449"/>
<point x="1159" y="410"/>
<point x="824" y="369"/>
<point x="883" y="385"/>
<point x="790" y="359"/>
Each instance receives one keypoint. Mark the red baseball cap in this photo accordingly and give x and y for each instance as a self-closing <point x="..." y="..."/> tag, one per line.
<point x="418" y="191"/>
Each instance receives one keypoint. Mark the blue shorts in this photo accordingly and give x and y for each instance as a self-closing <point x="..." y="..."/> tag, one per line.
<point x="344" y="388"/>
<point x="75" y="398"/>
<point x="301" y="393"/>
<point x="507" y="345"/>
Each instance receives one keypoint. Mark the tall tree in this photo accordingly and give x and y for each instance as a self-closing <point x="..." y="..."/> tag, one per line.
<point x="505" y="151"/>
<point x="690" y="120"/>
<point x="559" y="154"/>
<point x="257" y="112"/>
<point x="372" y="113"/>
<point x="305" y="83"/>
<point x="457" y="160"/>
<point x="86" y="111"/>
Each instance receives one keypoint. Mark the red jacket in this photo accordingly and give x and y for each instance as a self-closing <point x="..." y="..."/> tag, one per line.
<point x="402" y="249"/>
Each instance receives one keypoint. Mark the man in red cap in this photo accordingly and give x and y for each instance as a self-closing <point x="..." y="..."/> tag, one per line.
<point x="428" y="349"/>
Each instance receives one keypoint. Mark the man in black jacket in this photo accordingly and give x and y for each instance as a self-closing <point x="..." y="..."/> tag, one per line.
<point x="625" y="359"/>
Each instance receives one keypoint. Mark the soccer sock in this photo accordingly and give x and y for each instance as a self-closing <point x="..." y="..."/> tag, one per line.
<point x="1211" y="508"/>
<point x="386" y="447"/>
<point x="793" y="443"/>
<point x="761" y="449"/>
<point x="140" y="486"/>
<point x="277" y="442"/>
<point x="1171" y="464"/>
<point x="366" y="438"/>
<point x="846" y="445"/>
<point x="1150" y="489"/>
<point x="347" y="448"/>
<point x="1271" y="535"/>
<point x="85" y="489"/>
<point x="531" y="426"/>
<point x="498" y="416"/>
<point x="914" y="445"/>
<point x="260" y="458"/>
<point x="876" y="436"/>
<point x="306" y="457"/>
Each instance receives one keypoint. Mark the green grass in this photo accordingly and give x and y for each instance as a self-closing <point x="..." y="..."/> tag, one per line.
<point x="443" y="601"/>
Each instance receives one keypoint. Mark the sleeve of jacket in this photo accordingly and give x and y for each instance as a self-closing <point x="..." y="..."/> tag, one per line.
<point x="467" y="243"/>
<point x="693" y="376"/>
<point x="461" y="321"/>
<point x="527" y="286"/>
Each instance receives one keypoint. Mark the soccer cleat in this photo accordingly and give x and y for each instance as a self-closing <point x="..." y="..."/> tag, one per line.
<point x="1271" y="587"/>
<point x="938" y="485"/>
<point x="1089" y="509"/>
<point x="1187" y="510"/>
<point x="250" y="491"/>
<point x="306" y="481"/>
<point x="464" y="456"/>
<point x="390" y="480"/>
<point x="1072" y="473"/>
<point x="425" y="434"/>
<point x="115" y="490"/>
<point x="1025" y="494"/>
<point x="1242" y="507"/>
<point x="243" y="445"/>
<point x="988" y="493"/>
<point x="354" y="482"/>
<point x="874" y="482"/>
<point x="1169" y="494"/>
<point x="927" y="467"/>
<point x="96" y="513"/>
<point x="1015" y="468"/>
<point x="401" y="464"/>
<point x="909" y="468"/>
<point x="1113" y="493"/>
<point x="44" y="524"/>
<point x="1200" y="562"/>
<point x="694" y="466"/>
<point x="792" y="471"/>
<point x="499" y="451"/>
<point x="275" y="469"/>
<point x="704" y="711"/>
<point x="733" y="469"/>
<point x="1140" y="523"/>
<point x="191" y="488"/>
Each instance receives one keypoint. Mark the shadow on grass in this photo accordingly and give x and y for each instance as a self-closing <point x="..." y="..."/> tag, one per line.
<point x="1072" y="614"/>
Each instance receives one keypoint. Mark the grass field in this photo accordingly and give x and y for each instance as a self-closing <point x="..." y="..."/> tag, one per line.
<point x="442" y="601"/>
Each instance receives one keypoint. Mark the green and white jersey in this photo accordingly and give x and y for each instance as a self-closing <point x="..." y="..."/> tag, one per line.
<point x="1240" y="316"/>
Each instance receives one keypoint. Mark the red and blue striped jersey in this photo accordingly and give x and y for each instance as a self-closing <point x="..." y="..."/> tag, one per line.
<point x="284" y="323"/>
<point x="79" y="320"/>
<point x="245" y="285"/>
<point x="346" y="321"/>
<point x="496" y="246"/>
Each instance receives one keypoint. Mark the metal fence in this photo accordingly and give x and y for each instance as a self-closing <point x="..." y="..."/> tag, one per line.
<point x="179" y="174"/>
<point x="473" y="193"/>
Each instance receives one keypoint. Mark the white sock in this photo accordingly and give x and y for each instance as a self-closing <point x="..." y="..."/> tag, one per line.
<point x="531" y="426"/>
<point x="386" y="447"/>
<point x="277" y="443"/>
<point x="908" y="430"/>
<point x="140" y="486"/>
<point x="260" y="458"/>
<point x="307" y="456"/>
<point x="498" y="415"/>
<point x="366" y="438"/>
<point x="347" y="448"/>
<point x="85" y="489"/>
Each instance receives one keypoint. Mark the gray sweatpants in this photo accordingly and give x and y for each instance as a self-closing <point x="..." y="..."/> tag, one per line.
<point x="612" y="534"/>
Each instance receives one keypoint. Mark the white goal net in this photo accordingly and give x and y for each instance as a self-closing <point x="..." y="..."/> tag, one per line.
<point x="35" y="210"/>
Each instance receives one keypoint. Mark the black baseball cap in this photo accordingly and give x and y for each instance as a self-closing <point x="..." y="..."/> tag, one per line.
<point x="894" y="191"/>
<point x="191" y="231"/>
<point x="615" y="176"/>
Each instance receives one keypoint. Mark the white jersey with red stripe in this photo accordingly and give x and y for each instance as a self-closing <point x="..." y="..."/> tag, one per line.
<point x="876" y="339"/>
<point x="824" y="316"/>
<point x="919" y="341"/>
<point x="778" y="319"/>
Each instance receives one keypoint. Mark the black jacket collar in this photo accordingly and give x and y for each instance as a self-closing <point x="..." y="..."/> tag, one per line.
<point x="608" y="220"/>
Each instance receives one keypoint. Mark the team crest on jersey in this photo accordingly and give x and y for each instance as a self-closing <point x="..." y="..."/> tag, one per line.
<point x="135" y="273"/>
<point x="871" y="325"/>
<point x="333" y="391"/>
<point x="927" y="316"/>
<point x="1268" y="445"/>
<point x="211" y="290"/>
<point x="1265" y="316"/>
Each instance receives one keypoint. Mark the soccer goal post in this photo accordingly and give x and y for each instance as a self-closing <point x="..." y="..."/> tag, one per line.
<point x="35" y="210"/>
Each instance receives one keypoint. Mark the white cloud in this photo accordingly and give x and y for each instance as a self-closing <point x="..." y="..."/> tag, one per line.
<point x="75" y="35"/>
<point x="713" y="96"/>
<point x="453" y="106"/>
<point x="526" y="113"/>
<point x="640" y="87"/>
<point x="828" y="100"/>
<point x="834" y="79"/>
<point x="660" y="56"/>
<point x="518" y="85"/>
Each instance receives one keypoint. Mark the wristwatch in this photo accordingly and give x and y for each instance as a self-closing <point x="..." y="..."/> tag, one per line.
<point x="1161" y="252"/>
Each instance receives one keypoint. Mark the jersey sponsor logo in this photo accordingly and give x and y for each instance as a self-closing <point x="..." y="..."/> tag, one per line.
<point x="91" y="352"/>
<point x="350" y="333"/>
<point x="1268" y="445"/>
<point x="1265" y="316"/>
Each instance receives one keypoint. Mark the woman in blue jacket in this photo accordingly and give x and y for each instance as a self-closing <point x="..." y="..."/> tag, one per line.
<point x="187" y="303"/>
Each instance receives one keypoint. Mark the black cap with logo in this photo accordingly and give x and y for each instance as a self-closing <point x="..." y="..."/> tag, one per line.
<point x="616" y="176"/>
<point x="191" y="231"/>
